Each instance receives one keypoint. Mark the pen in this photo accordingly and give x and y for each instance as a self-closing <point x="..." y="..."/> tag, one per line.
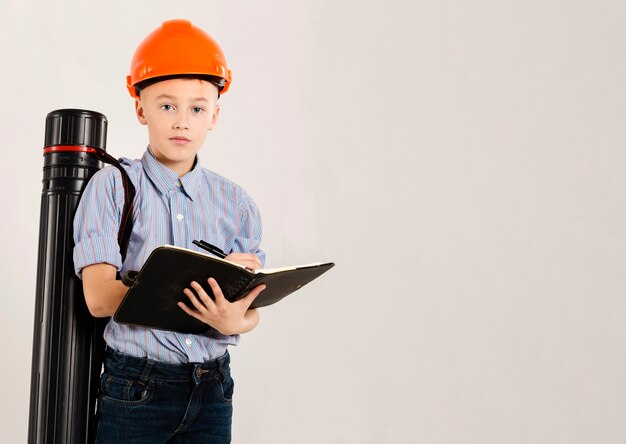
<point x="210" y="248"/>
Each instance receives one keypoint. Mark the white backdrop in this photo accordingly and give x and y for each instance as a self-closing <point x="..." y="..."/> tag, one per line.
<point x="461" y="161"/>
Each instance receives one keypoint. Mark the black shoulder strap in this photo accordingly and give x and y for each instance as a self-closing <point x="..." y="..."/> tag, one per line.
<point x="126" y="225"/>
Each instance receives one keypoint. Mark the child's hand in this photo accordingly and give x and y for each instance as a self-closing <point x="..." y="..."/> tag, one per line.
<point x="228" y="318"/>
<point x="248" y="260"/>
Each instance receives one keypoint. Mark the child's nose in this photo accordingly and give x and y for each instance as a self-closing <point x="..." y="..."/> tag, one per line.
<point x="181" y="121"/>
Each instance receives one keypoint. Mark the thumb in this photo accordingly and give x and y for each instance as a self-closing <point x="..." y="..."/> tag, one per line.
<point x="250" y="297"/>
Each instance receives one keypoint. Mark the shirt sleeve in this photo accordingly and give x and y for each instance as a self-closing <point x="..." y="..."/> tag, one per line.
<point x="97" y="221"/>
<point x="248" y="239"/>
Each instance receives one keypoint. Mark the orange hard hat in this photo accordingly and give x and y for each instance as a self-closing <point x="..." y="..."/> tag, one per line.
<point x="178" y="48"/>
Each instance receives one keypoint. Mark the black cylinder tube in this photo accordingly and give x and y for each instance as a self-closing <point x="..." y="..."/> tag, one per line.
<point x="67" y="340"/>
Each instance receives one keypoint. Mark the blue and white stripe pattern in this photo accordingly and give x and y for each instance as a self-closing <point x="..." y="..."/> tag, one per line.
<point x="168" y="210"/>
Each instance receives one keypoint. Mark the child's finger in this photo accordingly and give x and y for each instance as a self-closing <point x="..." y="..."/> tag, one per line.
<point x="194" y="299"/>
<point x="217" y="291"/>
<point x="204" y="298"/>
<point x="248" y="260"/>
<point x="253" y="262"/>
<point x="189" y="311"/>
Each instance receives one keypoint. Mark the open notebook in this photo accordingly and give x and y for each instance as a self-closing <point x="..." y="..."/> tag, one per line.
<point x="152" y="299"/>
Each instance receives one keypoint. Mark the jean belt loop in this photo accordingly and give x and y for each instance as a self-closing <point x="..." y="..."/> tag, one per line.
<point x="221" y="365"/>
<point x="146" y="370"/>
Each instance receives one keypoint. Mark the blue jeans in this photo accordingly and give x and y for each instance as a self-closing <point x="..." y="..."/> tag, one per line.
<point x="143" y="401"/>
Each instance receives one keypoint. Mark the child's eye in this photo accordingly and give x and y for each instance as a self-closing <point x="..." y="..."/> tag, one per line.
<point x="167" y="107"/>
<point x="197" y="109"/>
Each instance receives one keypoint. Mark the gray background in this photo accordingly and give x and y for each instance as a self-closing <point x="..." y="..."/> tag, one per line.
<point x="461" y="161"/>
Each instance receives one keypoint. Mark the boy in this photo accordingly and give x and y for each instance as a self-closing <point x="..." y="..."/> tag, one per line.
<point x="160" y="386"/>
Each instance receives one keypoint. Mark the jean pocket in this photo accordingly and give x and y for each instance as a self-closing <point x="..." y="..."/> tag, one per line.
<point x="125" y="391"/>
<point x="227" y="386"/>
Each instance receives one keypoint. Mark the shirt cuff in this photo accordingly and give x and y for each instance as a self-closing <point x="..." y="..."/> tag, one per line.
<point x="97" y="250"/>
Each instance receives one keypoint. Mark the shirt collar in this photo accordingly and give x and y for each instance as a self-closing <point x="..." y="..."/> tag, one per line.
<point x="165" y="179"/>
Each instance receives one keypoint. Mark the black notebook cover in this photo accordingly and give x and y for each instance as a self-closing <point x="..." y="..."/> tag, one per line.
<point x="152" y="299"/>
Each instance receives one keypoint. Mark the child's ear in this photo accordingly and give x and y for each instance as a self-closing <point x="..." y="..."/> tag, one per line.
<point x="139" y="112"/>
<point x="216" y="113"/>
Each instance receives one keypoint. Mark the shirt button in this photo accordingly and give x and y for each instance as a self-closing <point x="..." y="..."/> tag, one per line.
<point x="188" y="341"/>
<point x="178" y="184"/>
<point x="180" y="216"/>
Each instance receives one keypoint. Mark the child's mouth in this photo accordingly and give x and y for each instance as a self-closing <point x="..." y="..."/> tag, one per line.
<point x="179" y="140"/>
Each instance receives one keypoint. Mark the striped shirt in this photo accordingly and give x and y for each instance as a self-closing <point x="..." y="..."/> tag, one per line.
<point x="168" y="210"/>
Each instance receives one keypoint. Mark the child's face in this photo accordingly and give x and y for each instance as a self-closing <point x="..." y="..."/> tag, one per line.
<point x="179" y="113"/>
